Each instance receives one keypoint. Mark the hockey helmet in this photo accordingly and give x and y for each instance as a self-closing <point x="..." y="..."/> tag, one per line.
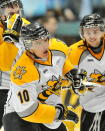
<point x="90" y="21"/>
<point x="9" y="4"/>
<point x="33" y="31"/>
<point x="6" y="3"/>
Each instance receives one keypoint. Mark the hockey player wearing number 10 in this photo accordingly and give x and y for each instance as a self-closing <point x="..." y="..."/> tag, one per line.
<point x="38" y="64"/>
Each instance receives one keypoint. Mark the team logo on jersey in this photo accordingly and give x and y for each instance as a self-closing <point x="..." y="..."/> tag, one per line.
<point x="97" y="76"/>
<point x="19" y="72"/>
<point x="56" y="84"/>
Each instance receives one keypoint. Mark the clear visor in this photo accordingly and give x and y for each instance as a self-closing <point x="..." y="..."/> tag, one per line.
<point x="100" y="26"/>
<point x="28" y="42"/>
<point x="93" y="26"/>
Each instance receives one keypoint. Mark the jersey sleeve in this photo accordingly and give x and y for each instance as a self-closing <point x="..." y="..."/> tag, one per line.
<point x="25" y="103"/>
<point x="67" y="66"/>
<point x="8" y="52"/>
<point x="75" y="51"/>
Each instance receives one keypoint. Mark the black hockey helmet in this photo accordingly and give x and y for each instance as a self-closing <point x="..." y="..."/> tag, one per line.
<point x="6" y="3"/>
<point x="92" y="20"/>
<point x="33" y="31"/>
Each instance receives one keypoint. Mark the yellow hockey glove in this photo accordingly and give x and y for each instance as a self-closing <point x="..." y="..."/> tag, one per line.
<point x="13" y="28"/>
<point x="12" y="34"/>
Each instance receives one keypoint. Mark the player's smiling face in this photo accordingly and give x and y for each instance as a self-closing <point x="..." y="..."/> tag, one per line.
<point x="40" y="48"/>
<point x="93" y="36"/>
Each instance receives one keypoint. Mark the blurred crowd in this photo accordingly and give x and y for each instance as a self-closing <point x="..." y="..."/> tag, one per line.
<point x="63" y="10"/>
<point x="51" y="12"/>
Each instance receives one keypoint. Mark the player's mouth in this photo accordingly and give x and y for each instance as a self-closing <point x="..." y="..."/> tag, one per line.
<point x="92" y="40"/>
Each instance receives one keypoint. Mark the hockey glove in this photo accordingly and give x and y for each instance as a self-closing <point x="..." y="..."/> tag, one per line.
<point x="12" y="31"/>
<point x="77" y="76"/>
<point x="66" y="114"/>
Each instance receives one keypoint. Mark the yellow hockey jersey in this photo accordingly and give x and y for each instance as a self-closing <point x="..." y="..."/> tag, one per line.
<point x="8" y="51"/>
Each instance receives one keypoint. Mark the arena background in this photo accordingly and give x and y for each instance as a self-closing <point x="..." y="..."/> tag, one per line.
<point x="68" y="14"/>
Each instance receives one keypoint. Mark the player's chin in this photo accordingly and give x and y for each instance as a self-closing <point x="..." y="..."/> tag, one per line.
<point x="93" y="43"/>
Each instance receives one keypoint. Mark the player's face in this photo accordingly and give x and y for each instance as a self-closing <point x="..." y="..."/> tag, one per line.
<point x="93" y="36"/>
<point x="11" y="9"/>
<point x="51" y="25"/>
<point x="40" y="48"/>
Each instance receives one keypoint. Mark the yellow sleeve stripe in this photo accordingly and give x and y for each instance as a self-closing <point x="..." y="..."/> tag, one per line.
<point x="48" y="92"/>
<point x="43" y="114"/>
<point x="41" y="97"/>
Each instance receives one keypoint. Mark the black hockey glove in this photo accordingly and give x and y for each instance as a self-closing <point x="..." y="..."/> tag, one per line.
<point x="12" y="31"/>
<point x="66" y="114"/>
<point x="77" y="76"/>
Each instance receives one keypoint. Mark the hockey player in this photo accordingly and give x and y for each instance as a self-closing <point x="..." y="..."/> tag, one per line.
<point x="7" y="9"/>
<point x="91" y="57"/>
<point x="38" y="65"/>
<point x="8" y="51"/>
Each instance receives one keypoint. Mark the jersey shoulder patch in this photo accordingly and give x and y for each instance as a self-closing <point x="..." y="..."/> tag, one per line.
<point x="24" y="71"/>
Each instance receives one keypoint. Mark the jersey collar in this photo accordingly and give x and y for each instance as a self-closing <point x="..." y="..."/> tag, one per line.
<point x="41" y="61"/>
